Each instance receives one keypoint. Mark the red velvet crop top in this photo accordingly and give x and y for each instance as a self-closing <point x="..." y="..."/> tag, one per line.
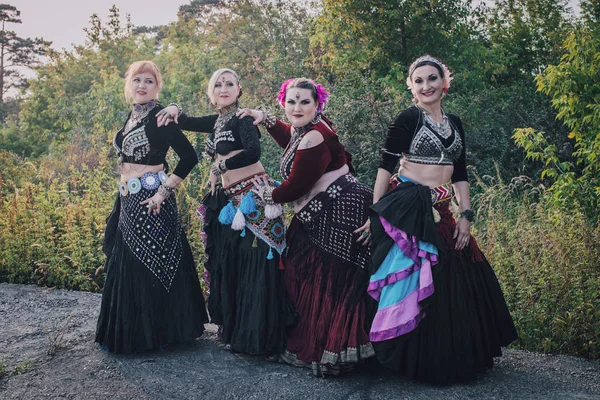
<point x="302" y="168"/>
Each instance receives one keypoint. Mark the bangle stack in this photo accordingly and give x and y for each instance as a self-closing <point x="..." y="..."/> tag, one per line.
<point x="268" y="195"/>
<point x="268" y="120"/>
<point x="219" y="167"/>
<point x="165" y="190"/>
<point x="468" y="214"/>
<point x="179" y="109"/>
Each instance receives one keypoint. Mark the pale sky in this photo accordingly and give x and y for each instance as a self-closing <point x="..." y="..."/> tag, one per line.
<point x="62" y="21"/>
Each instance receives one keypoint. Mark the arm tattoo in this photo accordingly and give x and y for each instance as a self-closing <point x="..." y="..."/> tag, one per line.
<point x="307" y="145"/>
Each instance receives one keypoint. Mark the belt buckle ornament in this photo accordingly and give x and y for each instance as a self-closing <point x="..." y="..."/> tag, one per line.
<point x="123" y="188"/>
<point x="162" y="176"/>
<point x="150" y="181"/>
<point x="134" y="185"/>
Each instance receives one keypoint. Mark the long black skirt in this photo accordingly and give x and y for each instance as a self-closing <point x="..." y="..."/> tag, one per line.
<point x="152" y="295"/>
<point x="460" y="321"/>
<point x="247" y="295"/>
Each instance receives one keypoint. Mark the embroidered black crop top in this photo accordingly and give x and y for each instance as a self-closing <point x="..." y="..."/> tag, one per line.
<point x="227" y="133"/>
<point x="147" y="144"/>
<point x="410" y="135"/>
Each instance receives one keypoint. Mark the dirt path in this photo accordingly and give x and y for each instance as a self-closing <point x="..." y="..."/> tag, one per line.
<point x="47" y="351"/>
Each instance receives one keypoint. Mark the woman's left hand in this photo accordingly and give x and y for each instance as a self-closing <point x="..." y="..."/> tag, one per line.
<point x="154" y="203"/>
<point x="364" y="233"/>
<point x="462" y="233"/>
<point x="260" y="184"/>
<point x="166" y="115"/>
<point x="257" y="115"/>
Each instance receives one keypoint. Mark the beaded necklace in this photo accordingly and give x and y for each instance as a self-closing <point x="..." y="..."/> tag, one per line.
<point x="138" y="114"/>
<point x="443" y="128"/>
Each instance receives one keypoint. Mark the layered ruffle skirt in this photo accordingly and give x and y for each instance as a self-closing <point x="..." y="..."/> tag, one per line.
<point x="326" y="280"/>
<point x="247" y="297"/>
<point x="442" y="317"/>
<point x="152" y="295"/>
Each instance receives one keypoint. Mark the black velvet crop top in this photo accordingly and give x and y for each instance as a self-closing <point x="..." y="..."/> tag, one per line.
<point x="410" y="135"/>
<point x="147" y="144"/>
<point x="227" y="133"/>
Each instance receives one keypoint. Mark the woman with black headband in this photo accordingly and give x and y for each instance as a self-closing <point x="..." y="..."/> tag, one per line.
<point x="442" y="317"/>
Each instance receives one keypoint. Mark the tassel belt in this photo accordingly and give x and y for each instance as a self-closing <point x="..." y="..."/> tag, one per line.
<point x="241" y="186"/>
<point x="439" y="193"/>
<point x="148" y="181"/>
<point x="245" y="210"/>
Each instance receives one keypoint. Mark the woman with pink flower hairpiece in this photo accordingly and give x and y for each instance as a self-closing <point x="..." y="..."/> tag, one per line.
<point x="441" y="317"/>
<point x="325" y="264"/>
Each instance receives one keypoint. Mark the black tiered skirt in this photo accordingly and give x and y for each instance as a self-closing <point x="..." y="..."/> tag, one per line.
<point x="247" y="296"/>
<point x="152" y="295"/>
<point x="461" y="321"/>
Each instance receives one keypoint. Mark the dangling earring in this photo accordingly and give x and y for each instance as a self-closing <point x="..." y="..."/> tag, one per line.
<point x="316" y="119"/>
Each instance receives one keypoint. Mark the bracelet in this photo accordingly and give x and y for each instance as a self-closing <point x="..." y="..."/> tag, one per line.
<point x="269" y="120"/>
<point x="468" y="214"/>
<point x="219" y="167"/>
<point x="222" y="166"/>
<point x="165" y="190"/>
<point x="179" y="109"/>
<point x="268" y="195"/>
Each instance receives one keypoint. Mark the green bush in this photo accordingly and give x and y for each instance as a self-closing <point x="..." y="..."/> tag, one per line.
<point x="546" y="259"/>
<point x="54" y="220"/>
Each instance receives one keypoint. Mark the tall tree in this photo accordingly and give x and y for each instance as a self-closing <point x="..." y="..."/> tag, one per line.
<point x="15" y="51"/>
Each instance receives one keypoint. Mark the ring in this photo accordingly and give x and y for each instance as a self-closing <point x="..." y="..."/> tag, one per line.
<point x="365" y="234"/>
<point x="154" y="206"/>
<point x="262" y="184"/>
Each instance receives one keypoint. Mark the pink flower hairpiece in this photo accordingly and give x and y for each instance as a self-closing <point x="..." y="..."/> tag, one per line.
<point x="282" y="91"/>
<point x="322" y="94"/>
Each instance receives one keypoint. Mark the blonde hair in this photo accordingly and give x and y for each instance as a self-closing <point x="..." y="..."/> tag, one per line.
<point x="141" y="67"/>
<point x="210" y="90"/>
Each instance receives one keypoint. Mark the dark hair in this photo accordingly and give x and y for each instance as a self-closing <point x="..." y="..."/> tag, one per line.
<point x="432" y="64"/>
<point x="304" y="83"/>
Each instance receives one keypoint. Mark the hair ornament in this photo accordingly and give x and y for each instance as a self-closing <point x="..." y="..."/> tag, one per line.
<point x="322" y="94"/>
<point x="283" y="90"/>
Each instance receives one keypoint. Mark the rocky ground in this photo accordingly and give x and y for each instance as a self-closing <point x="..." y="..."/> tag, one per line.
<point x="47" y="351"/>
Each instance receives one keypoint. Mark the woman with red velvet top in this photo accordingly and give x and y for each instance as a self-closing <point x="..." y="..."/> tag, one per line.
<point x="325" y="265"/>
<point x="441" y="316"/>
<point x="244" y="237"/>
<point x="152" y="296"/>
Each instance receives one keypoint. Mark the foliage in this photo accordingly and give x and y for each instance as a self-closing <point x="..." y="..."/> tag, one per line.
<point x="57" y="168"/>
<point x="577" y="100"/>
<point x="552" y="290"/>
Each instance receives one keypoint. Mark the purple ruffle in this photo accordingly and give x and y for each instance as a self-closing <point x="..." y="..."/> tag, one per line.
<point x="404" y="316"/>
<point x="397" y="319"/>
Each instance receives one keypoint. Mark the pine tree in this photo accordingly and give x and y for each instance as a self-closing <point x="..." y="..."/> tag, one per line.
<point x="16" y="52"/>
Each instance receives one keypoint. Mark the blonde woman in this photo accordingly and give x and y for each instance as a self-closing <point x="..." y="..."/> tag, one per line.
<point x="152" y="296"/>
<point x="244" y="238"/>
